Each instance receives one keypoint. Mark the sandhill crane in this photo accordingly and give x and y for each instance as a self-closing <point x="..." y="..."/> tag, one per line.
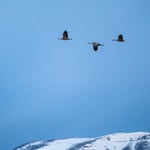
<point x="65" y="36"/>
<point x="120" y="38"/>
<point x="95" y="45"/>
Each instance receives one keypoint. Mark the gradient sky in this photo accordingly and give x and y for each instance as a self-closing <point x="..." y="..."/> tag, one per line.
<point x="59" y="89"/>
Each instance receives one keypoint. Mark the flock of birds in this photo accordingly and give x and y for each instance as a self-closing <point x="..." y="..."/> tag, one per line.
<point x="95" y="44"/>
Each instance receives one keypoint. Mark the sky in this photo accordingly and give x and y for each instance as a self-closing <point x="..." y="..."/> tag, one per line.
<point x="52" y="89"/>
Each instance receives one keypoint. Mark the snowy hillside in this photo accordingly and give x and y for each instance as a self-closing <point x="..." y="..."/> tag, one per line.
<point x="118" y="141"/>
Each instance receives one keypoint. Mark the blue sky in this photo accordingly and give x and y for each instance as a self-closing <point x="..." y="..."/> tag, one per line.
<point x="59" y="89"/>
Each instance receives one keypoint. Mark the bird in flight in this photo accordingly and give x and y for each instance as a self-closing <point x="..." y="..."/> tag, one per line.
<point x="120" y="38"/>
<point x="65" y="36"/>
<point x="95" y="45"/>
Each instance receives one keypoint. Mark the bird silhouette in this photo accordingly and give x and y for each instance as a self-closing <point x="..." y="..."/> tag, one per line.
<point x="120" y="38"/>
<point x="95" y="45"/>
<point x="65" y="36"/>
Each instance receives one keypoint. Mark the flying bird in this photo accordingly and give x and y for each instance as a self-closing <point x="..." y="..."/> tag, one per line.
<point x="65" y="36"/>
<point x="95" y="45"/>
<point x="120" y="38"/>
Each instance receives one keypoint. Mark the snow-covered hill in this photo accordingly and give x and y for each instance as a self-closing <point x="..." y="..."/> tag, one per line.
<point x="118" y="141"/>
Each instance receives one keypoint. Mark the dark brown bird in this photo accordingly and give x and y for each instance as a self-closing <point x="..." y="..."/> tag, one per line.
<point x="65" y="36"/>
<point x="95" y="45"/>
<point x="120" y="38"/>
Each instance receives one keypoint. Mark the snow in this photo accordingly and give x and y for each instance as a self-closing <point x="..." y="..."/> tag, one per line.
<point x="117" y="141"/>
<point x="63" y="144"/>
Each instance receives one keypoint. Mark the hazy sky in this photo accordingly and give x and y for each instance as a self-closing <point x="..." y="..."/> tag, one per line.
<point x="59" y="89"/>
